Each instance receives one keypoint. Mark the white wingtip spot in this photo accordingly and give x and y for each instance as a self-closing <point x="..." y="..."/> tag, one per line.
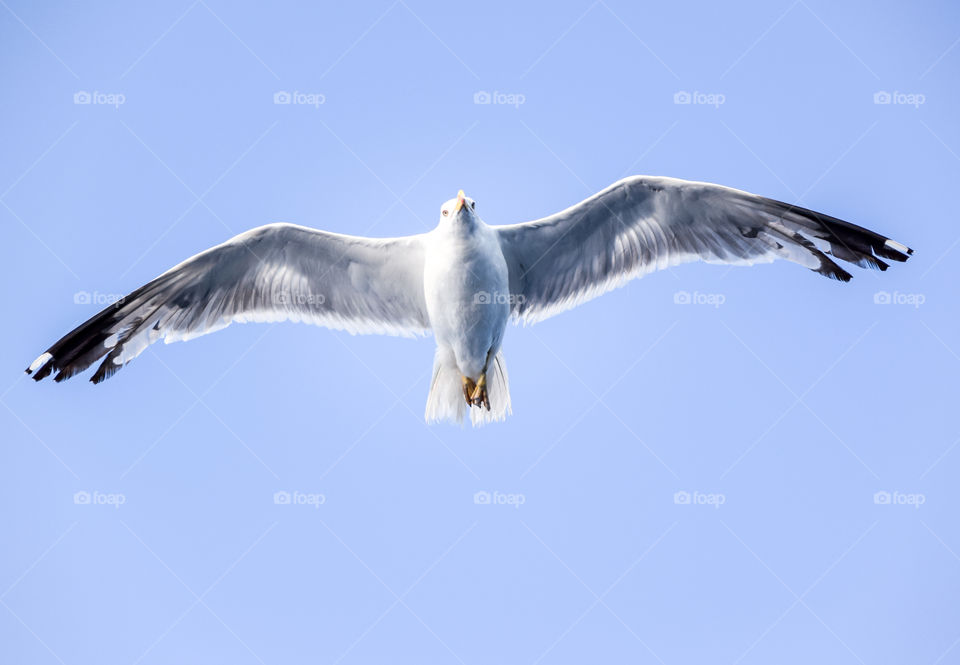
<point x="893" y="244"/>
<point x="38" y="363"/>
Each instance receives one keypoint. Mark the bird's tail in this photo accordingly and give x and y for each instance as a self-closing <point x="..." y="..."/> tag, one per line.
<point x="446" y="401"/>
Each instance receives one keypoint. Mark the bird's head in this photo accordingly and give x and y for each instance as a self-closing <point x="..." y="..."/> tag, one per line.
<point x="460" y="209"/>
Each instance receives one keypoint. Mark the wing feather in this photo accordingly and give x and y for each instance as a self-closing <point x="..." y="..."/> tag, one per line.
<point x="642" y="224"/>
<point x="272" y="273"/>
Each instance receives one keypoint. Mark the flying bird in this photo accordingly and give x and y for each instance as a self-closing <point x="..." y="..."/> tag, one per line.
<point x="464" y="280"/>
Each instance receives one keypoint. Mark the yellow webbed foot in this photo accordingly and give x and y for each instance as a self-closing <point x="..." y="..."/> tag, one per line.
<point x="468" y="388"/>
<point x="479" y="397"/>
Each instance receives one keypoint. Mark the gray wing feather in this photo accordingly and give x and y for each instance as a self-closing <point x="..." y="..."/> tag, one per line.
<point x="644" y="223"/>
<point x="272" y="273"/>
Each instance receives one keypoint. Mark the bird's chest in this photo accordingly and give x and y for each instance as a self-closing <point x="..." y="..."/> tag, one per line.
<point x="466" y="286"/>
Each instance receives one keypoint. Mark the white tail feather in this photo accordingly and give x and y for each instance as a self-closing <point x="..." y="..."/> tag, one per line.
<point x="445" y="401"/>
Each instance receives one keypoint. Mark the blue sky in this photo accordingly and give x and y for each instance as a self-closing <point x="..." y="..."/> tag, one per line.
<point x="779" y="401"/>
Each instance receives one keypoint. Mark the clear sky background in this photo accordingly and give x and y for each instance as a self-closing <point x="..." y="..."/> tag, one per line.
<point x="779" y="400"/>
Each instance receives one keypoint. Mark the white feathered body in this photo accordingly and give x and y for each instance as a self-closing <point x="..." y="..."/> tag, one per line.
<point x="466" y="288"/>
<point x="467" y="292"/>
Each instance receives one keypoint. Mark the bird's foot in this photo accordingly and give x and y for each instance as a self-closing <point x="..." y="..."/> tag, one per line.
<point x="480" y="396"/>
<point x="468" y="388"/>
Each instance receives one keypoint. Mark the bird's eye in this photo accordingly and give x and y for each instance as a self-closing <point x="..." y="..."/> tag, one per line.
<point x="446" y="212"/>
<point x="473" y="205"/>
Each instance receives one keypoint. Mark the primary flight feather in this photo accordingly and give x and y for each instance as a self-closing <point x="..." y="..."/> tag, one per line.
<point x="464" y="279"/>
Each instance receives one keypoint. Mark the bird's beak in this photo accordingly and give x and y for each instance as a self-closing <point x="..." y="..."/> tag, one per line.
<point x="460" y="202"/>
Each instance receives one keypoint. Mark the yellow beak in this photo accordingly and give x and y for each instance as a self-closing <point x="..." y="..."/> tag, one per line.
<point x="460" y="202"/>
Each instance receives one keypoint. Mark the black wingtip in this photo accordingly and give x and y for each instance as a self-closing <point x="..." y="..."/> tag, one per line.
<point x="830" y="269"/>
<point x="848" y="242"/>
<point x="40" y="368"/>
<point x="893" y="250"/>
<point x="102" y="373"/>
<point x="839" y="275"/>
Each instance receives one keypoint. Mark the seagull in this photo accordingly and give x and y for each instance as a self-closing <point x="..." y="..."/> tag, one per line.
<point x="464" y="280"/>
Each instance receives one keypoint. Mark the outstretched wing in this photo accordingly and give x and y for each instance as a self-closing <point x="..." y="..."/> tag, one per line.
<point x="271" y="273"/>
<point x="643" y="223"/>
